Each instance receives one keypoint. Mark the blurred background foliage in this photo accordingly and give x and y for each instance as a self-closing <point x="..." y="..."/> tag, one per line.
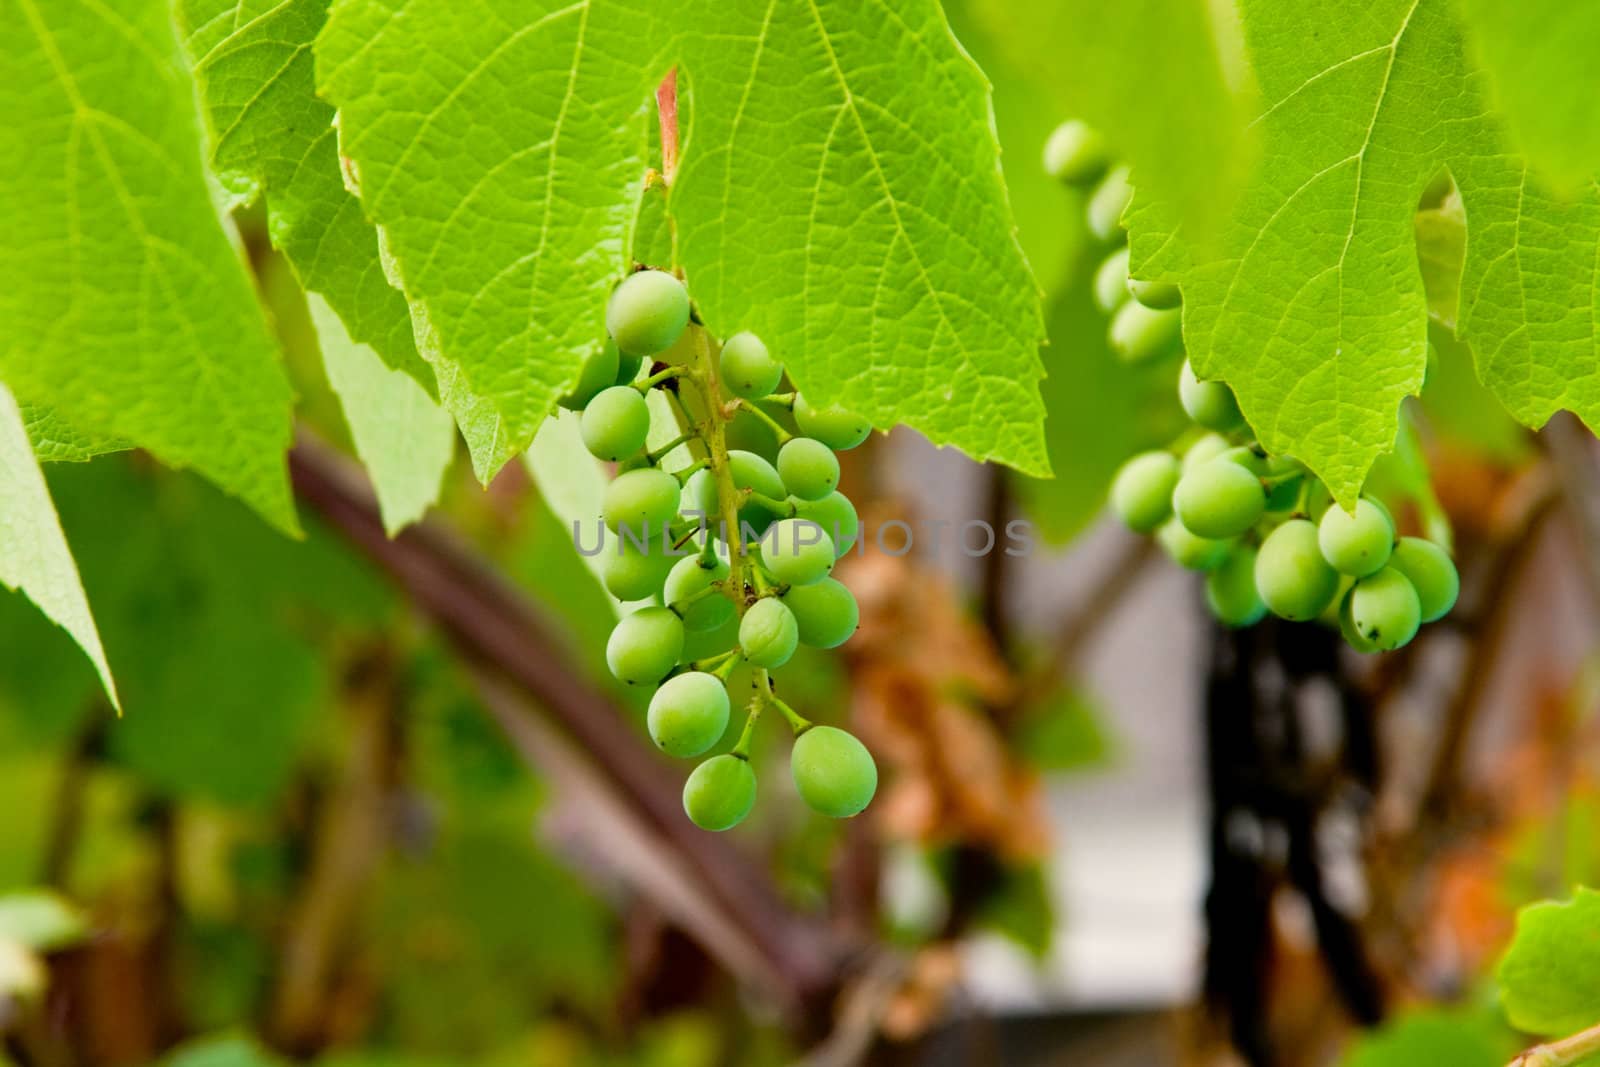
<point x="313" y="836"/>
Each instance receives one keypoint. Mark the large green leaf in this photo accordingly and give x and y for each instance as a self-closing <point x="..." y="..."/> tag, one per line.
<point x="271" y="136"/>
<point x="56" y="442"/>
<point x="404" y="438"/>
<point x="1314" y="308"/>
<point x="1163" y="80"/>
<point x="1539" y="55"/>
<point x="125" y="307"/>
<point x="841" y="196"/>
<point x="34" y="556"/>
<point x="1550" y="977"/>
<point x="848" y="209"/>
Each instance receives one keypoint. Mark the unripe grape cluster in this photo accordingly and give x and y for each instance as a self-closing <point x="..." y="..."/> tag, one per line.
<point x="732" y="536"/>
<point x="1263" y="530"/>
<point x="1268" y="536"/>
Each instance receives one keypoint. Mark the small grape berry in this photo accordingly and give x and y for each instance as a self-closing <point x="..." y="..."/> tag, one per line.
<point x="688" y="714"/>
<point x="720" y="792"/>
<point x="768" y="634"/>
<point x="833" y="771"/>
<point x="647" y="313"/>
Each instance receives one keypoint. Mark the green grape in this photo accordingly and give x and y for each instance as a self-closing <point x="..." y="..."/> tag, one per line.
<point x="698" y="500"/>
<point x="627" y="367"/>
<point x="634" y="575"/>
<point x="647" y="312"/>
<point x="825" y="613"/>
<point x="1356" y="543"/>
<point x="1248" y="458"/>
<point x="720" y="792"/>
<point x="1189" y="550"/>
<point x="1219" y="499"/>
<point x="1347" y="627"/>
<point x="1210" y="404"/>
<point x="797" y="552"/>
<point x="809" y="468"/>
<point x="1139" y="334"/>
<point x="1159" y="295"/>
<point x="645" y="646"/>
<point x="690" y="576"/>
<point x="599" y="372"/>
<point x="747" y="368"/>
<point x="837" y="517"/>
<point x="1231" y="590"/>
<point x="750" y="471"/>
<point x="1075" y="153"/>
<point x="688" y="714"/>
<point x="1111" y="281"/>
<point x="1385" y="610"/>
<point x="1107" y="203"/>
<point x="768" y="634"/>
<point x="645" y="500"/>
<point x="1292" y="577"/>
<point x="750" y="433"/>
<point x="615" y="423"/>
<point x="1210" y="446"/>
<point x="1429" y="570"/>
<point x="1141" y="493"/>
<point x="833" y="771"/>
<point x="834" y="427"/>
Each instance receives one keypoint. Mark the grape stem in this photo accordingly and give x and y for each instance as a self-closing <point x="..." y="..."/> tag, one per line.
<point x="785" y="508"/>
<point x="710" y="429"/>
<point x="656" y="455"/>
<point x="1272" y="481"/>
<point x="783" y="435"/>
<point x="678" y="607"/>
<point x="717" y="662"/>
<point x="784" y="400"/>
<point x="741" y="749"/>
<point x="1563" y="1053"/>
<point x="693" y="468"/>
<point x="797" y="722"/>
<point x="675" y="371"/>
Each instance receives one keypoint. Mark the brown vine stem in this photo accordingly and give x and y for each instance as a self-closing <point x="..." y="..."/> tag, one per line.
<point x="1564" y="1053"/>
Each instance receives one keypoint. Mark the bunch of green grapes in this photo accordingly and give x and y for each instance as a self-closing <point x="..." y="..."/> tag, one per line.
<point x="1268" y="536"/>
<point x="1263" y="529"/>
<point x="731" y="536"/>
<point x="1147" y="326"/>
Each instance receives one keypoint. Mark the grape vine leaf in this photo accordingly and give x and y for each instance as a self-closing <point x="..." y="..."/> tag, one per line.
<point x="1183" y="131"/>
<point x="1550" y="976"/>
<point x="34" y="556"/>
<point x="126" y="307"/>
<point x="403" y="437"/>
<point x="1539" y="56"/>
<point x="1313" y="307"/>
<point x="848" y="209"/>
<point x="270" y="136"/>
<point x="841" y="195"/>
<point x="56" y="442"/>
